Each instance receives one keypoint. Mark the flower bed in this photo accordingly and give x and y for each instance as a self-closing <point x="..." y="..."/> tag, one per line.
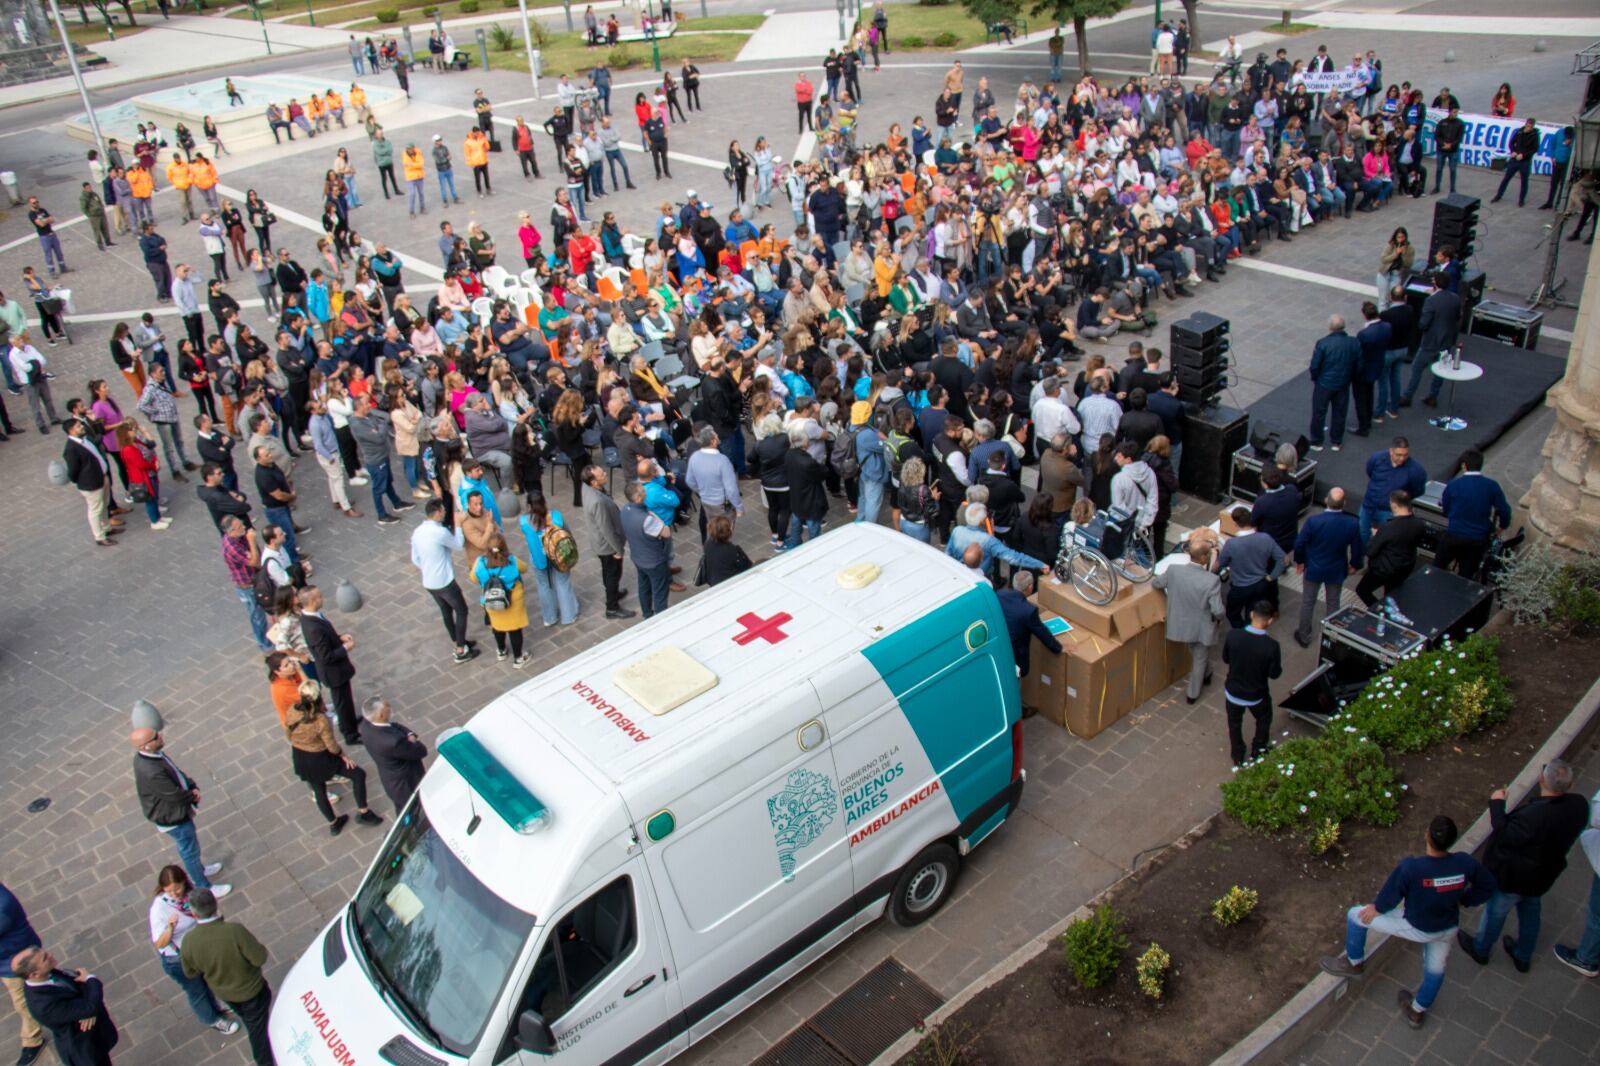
<point x="1222" y="981"/>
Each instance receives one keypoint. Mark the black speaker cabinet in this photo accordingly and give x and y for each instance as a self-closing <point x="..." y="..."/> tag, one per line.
<point x="1210" y="437"/>
<point x="1200" y="330"/>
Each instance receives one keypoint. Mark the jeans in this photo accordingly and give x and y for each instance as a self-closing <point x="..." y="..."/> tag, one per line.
<point x="989" y="261"/>
<point x="1371" y="518"/>
<point x="1261" y="710"/>
<point x="152" y="503"/>
<point x="416" y="198"/>
<point x="1446" y="159"/>
<point x="382" y="486"/>
<point x="171" y="434"/>
<point x="597" y="180"/>
<point x="187" y="842"/>
<point x="54" y="261"/>
<point x="453" y="610"/>
<point x="576" y="194"/>
<point x="615" y="159"/>
<point x="557" y="601"/>
<point x="915" y="530"/>
<point x="283" y="518"/>
<point x="355" y="61"/>
<point x="1494" y="920"/>
<point x="1329" y="407"/>
<point x="870" y="502"/>
<point x="1388" y="401"/>
<point x="1055" y="67"/>
<point x="1419" y="366"/>
<point x="352" y="198"/>
<point x="1589" y="947"/>
<point x="201" y="1001"/>
<point x="1435" y="948"/>
<point x="447" y="187"/>
<point x="1522" y="167"/>
<point x="654" y="583"/>
<point x="258" y="622"/>
<point x="732" y="446"/>
<point x="253" y="1013"/>
<point x="412" y="465"/>
<point x="810" y="527"/>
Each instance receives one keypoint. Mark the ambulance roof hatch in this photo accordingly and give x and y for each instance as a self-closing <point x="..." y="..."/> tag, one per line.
<point x="666" y="678"/>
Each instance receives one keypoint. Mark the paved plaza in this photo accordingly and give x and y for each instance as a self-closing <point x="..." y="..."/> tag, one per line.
<point x="84" y="633"/>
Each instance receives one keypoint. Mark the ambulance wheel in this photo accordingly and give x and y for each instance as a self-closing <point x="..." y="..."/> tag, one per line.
<point x="924" y="885"/>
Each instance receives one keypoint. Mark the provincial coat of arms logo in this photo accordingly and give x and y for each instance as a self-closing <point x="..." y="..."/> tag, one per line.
<point x="799" y="813"/>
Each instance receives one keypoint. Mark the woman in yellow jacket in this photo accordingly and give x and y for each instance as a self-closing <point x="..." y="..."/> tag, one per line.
<point x="415" y="169"/>
<point x="504" y="570"/>
<point x="476" y="153"/>
<point x="204" y="176"/>
<point x="179" y="178"/>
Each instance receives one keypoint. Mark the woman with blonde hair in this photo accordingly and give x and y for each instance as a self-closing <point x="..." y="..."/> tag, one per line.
<point x="504" y="599"/>
<point x="317" y="758"/>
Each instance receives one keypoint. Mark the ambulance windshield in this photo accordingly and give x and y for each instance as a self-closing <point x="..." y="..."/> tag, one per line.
<point x="437" y="944"/>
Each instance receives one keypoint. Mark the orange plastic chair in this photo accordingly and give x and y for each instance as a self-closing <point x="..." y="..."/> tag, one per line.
<point x="607" y="289"/>
<point x="641" y="284"/>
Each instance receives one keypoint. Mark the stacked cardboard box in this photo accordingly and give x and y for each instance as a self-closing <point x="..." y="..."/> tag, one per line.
<point x="1113" y="659"/>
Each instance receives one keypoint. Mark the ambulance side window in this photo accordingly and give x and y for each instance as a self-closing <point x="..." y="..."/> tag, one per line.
<point x="581" y="948"/>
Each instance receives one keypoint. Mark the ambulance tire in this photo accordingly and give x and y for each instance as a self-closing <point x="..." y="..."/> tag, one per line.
<point x="924" y="885"/>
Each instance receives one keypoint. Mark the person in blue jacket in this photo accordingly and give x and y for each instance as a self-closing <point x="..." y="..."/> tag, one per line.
<point x="1393" y="468"/>
<point x="1333" y="367"/>
<point x="17" y="935"/>
<point x="1326" y="551"/>
<point x="1474" y="504"/>
<point x="1421" y="901"/>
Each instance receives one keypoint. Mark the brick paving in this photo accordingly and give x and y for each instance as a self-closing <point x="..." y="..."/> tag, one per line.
<point x="84" y="633"/>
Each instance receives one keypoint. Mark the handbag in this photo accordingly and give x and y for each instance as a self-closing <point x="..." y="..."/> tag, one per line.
<point x="138" y="493"/>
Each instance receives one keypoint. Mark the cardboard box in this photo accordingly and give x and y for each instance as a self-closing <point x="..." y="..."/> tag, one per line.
<point x="1225" y="523"/>
<point x="1088" y="687"/>
<point x="1135" y="609"/>
<point x="1165" y="662"/>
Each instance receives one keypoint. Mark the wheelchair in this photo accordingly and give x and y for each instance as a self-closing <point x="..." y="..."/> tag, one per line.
<point x="1093" y="556"/>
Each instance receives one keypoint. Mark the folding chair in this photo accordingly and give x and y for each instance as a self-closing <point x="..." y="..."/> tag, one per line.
<point x="530" y="279"/>
<point x="653" y="351"/>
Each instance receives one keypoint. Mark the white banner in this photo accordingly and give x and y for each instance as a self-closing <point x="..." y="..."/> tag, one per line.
<point x="1487" y="138"/>
<point x="1330" y="81"/>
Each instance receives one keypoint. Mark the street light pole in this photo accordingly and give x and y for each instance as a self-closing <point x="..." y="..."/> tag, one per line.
<point x="77" y="78"/>
<point x="527" y="44"/>
<point x="255" y="9"/>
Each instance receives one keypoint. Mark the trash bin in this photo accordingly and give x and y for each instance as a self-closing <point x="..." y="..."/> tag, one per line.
<point x="8" y="178"/>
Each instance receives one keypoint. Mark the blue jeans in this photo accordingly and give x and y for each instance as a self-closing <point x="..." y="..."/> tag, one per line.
<point x="1494" y="920"/>
<point x="54" y="261"/>
<point x="382" y="485"/>
<point x="152" y="505"/>
<point x="355" y="61"/>
<point x="412" y="465"/>
<point x="1435" y="948"/>
<point x="447" y="186"/>
<point x="654" y="584"/>
<point x="284" y="520"/>
<point x="1388" y="401"/>
<point x="1446" y="159"/>
<point x="1419" y="366"/>
<point x="615" y="159"/>
<point x="1372" y="518"/>
<point x="201" y="1001"/>
<point x="5" y="370"/>
<point x="989" y="261"/>
<point x="576" y="193"/>
<point x="1329" y="406"/>
<point x="915" y="530"/>
<point x="258" y="620"/>
<point x="416" y="197"/>
<point x="733" y="447"/>
<point x="188" y="843"/>
<point x="557" y="601"/>
<point x="811" y="527"/>
<point x="870" y="501"/>
<point x="351" y="198"/>
<point x="1589" y="946"/>
<point x="1055" y="67"/>
<point x="597" y="179"/>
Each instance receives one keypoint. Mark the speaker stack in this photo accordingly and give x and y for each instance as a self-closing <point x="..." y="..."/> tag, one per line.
<point x="1199" y="358"/>
<point x="1455" y="222"/>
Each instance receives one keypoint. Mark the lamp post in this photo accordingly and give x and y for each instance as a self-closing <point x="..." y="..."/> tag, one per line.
<point x="655" y="46"/>
<point x="255" y="9"/>
<point x="77" y="78"/>
<point x="527" y="44"/>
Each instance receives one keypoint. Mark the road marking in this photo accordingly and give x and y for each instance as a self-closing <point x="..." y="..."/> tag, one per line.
<point x="295" y="218"/>
<point x="1296" y="274"/>
<point x="804" y="147"/>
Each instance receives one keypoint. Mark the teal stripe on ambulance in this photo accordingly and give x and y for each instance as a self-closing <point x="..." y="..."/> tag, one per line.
<point x="944" y="690"/>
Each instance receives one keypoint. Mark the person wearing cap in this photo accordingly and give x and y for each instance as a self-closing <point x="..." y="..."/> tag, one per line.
<point x="441" y="166"/>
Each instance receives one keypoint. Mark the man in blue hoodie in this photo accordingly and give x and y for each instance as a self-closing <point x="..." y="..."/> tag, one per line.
<point x="1421" y="901"/>
<point x="1333" y="367"/>
<point x="1474" y="504"/>
<point x="874" y="462"/>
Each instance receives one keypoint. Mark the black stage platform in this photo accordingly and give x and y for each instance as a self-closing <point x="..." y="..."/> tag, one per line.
<point x="1514" y="382"/>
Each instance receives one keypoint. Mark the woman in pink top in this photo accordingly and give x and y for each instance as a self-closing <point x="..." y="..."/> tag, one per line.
<point x="530" y="237"/>
<point x="106" y="410"/>
<point x="459" y="393"/>
<point x="1375" y="168"/>
<point x="425" y="341"/>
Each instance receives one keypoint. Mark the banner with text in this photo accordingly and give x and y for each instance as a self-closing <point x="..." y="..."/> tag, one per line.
<point x="1488" y="138"/>
<point x="1329" y="81"/>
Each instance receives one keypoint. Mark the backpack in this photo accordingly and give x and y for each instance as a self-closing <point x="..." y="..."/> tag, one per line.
<point x="844" y="455"/>
<point x="264" y="589"/>
<point x="496" y="597"/>
<point x="560" y="550"/>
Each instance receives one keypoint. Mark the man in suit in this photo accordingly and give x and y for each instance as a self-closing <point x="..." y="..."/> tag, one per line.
<point x="1327" y="550"/>
<point x="1375" y="339"/>
<point x="1391" y="551"/>
<point x="396" y="750"/>
<point x="1023" y="621"/>
<point x="1333" y="367"/>
<point x="71" y="1005"/>
<point x="1437" y="327"/>
<point x="1276" y="510"/>
<point x="1194" y="606"/>
<point x="89" y="470"/>
<point x="331" y="652"/>
<point x="17" y="934"/>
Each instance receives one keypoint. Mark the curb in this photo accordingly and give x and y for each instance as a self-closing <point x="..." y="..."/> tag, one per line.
<point x="1029" y="951"/>
<point x="1281" y="1035"/>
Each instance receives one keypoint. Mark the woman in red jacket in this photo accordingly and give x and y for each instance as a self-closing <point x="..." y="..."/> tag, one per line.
<point x="643" y="112"/>
<point x="139" y="456"/>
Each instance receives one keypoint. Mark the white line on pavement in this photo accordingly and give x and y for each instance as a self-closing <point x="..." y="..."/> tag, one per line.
<point x="1296" y="274"/>
<point x="295" y="218"/>
<point x="804" y="147"/>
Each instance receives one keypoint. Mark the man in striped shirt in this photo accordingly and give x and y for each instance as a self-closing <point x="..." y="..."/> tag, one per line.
<point x="241" y="553"/>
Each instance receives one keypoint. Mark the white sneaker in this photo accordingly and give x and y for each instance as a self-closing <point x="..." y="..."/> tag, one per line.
<point x="421" y="494"/>
<point x="212" y="869"/>
<point x="163" y="524"/>
<point x="359" y="479"/>
<point x="226" y="1026"/>
<point x="221" y="890"/>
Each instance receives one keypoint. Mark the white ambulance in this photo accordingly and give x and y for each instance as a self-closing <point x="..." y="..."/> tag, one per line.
<point x="615" y="858"/>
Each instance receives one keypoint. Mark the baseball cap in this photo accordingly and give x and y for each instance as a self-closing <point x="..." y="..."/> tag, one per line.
<point x="691" y="194"/>
<point x="437" y="137"/>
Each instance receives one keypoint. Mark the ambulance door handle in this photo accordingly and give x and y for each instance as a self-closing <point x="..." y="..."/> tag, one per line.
<point x="638" y="986"/>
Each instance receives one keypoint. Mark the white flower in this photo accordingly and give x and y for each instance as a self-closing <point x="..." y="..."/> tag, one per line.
<point x="1302" y="808"/>
<point x="1452" y="669"/>
<point x="1404" y="787"/>
<point x="1387" y="794"/>
<point x="1312" y="794"/>
<point x="1461" y="655"/>
<point x="1363" y="739"/>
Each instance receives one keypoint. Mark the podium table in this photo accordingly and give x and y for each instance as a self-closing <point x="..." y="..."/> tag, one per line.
<point x="1465" y="371"/>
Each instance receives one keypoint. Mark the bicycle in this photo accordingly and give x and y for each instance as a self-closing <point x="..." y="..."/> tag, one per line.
<point x="1093" y="556"/>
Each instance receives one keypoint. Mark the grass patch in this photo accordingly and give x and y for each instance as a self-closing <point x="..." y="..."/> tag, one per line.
<point x="1291" y="29"/>
<point x="916" y="28"/>
<point x="95" y="32"/>
<point x="568" y="55"/>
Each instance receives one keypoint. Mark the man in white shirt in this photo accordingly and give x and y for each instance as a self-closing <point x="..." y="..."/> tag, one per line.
<point x="766" y="367"/>
<point x="28" y="369"/>
<point x="431" y="548"/>
<point x="1099" y="413"/>
<point x="1052" y="416"/>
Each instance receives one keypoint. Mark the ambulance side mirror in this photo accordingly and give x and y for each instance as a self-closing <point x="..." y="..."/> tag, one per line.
<point x="534" y="1035"/>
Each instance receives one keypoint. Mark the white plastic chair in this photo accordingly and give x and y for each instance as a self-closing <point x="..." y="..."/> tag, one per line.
<point x="483" y="307"/>
<point x="529" y="279"/>
<point x="633" y="249"/>
<point x="520" y="299"/>
<point x="497" y="279"/>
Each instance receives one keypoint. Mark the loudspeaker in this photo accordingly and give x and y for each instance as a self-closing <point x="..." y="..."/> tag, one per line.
<point x="1182" y="355"/>
<point x="1200" y="331"/>
<point x="1198" y="377"/>
<point x="1455" y="222"/>
<point x="1210" y="437"/>
<point x="1456" y="206"/>
<point x="1265" y="437"/>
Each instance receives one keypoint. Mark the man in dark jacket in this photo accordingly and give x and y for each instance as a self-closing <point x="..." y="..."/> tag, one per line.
<point x="808" y="498"/>
<point x="1333" y="366"/>
<point x="1447" y="137"/>
<point x="1526" y="853"/>
<point x="1023" y="622"/>
<point x="396" y="750"/>
<point x="1375" y="338"/>
<point x="218" y="498"/>
<point x="721" y="401"/>
<point x="1524" y="146"/>
<point x="1139" y="424"/>
<point x="71" y="1005"/>
<point x="1326" y="551"/>
<point x="1402" y="321"/>
<point x="1438" y="327"/>
<point x="1276" y="510"/>
<point x="90" y="471"/>
<point x="1392" y="550"/>
<point x="169" y="797"/>
<point x="331" y="652"/>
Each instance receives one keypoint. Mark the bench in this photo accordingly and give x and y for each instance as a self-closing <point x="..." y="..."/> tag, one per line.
<point x="995" y="31"/>
<point x="663" y="31"/>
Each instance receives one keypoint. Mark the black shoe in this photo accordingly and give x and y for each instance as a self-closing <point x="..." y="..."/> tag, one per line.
<point x="1509" y="944"/>
<point x="620" y="613"/>
<point x="465" y="656"/>
<point x="28" y="1055"/>
<point x="1465" y="939"/>
<point x="1412" y="1015"/>
<point x="402" y="506"/>
<point x="336" y="826"/>
<point x="1302" y="641"/>
<point x="387" y="520"/>
<point x="369" y="818"/>
<point x="1191" y="699"/>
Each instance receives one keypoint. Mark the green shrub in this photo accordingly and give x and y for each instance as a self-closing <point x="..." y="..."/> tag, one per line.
<point x="1324" y="836"/>
<point x="468" y="7"/>
<point x="1235" y="905"/>
<point x="510" y="4"/>
<point x="946" y="40"/>
<point x="1541" y="586"/>
<point x="501" y="39"/>
<point x="1577" y="603"/>
<point x="541" y="36"/>
<point x="620" y="58"/>
<point x="387" y="15"/>
<point x="429" y="12"/>
<point x="1095" y="945"/>
<point x="1152" y="970"/>
<point x="1312" y="780"/>
<point x="1452" y="691"/>
<point x="911" y="40"/>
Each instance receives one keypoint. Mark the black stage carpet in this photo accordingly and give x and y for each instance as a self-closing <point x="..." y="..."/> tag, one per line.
<point x="1513" y="384"/>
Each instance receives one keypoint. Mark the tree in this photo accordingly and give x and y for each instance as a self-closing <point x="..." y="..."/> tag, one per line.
<point x="1194" y="23"/>
<point x="1077" y="12"/>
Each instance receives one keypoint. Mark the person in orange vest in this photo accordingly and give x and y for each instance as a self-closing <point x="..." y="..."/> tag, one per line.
<point x="358" y="100"/>
<point x="476" y="152"/>
<point x="143" y="186"/>
<point x="335" y="105"/>
<point x="204" y="176"/>
<point x="317" y="113"/>
<point x="415" y="168"/>
<point x="179" y="178"/>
